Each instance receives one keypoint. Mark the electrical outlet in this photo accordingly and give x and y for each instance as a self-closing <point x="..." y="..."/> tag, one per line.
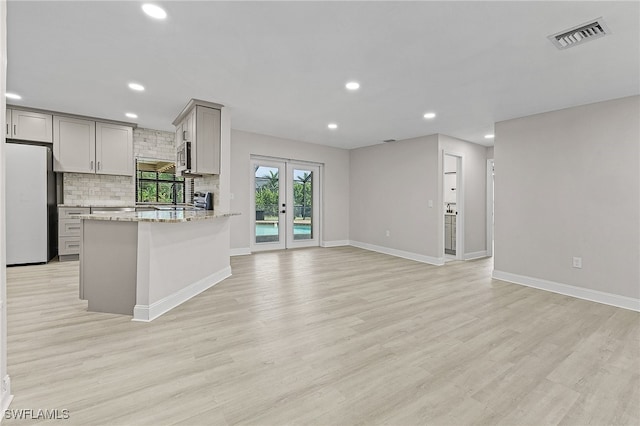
<point x="388" y="233"/>
<point x="577" y="262"/>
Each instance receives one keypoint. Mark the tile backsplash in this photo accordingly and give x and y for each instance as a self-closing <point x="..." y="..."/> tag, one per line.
<point x="209" y="183"/>
<point x="154" y="144"/>
<point x="86" y="188"/>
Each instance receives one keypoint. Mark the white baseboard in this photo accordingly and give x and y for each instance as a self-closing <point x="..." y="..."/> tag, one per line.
<point x="6" y="397"/>
<point x="240" y="251"/>
<point x="335" y="243"/>
<point x="147" y="313"/>
<point x="438" y="261"/>
<point x="569" y="290"/>
<point x="475" y="255"/>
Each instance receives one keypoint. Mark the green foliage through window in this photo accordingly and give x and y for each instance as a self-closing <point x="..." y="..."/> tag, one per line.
<point x="155" y="187"/>
<point x="268" y="190"/>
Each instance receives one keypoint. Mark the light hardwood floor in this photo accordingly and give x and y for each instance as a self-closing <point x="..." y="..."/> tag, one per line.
<point x="319" y="336"/>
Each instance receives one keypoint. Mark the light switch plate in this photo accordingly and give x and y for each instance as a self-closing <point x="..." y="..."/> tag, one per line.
<point x="577" y="262"/>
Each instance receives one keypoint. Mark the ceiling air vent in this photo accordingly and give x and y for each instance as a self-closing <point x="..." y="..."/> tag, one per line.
<point x="580" y="34"/>
<point x="389" y="140"/>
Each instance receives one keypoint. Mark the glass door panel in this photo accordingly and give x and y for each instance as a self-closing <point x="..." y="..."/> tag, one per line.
<point x="302" y="204"/>
<point x="302" y="195"/>
<point x="269" y="196"/>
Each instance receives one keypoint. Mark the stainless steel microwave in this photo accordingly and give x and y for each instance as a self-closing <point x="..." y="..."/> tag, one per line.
<point x="183" y="159"/>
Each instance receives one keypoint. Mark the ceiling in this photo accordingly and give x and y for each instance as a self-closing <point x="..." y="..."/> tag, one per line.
<point x="282" y="66"/>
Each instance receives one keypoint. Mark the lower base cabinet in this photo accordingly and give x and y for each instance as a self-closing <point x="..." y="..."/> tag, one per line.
<point x="69" y="232"/>
<point x="450" y="234"/>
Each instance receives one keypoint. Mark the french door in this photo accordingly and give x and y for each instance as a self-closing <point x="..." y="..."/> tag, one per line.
<point x="284" y="205"/>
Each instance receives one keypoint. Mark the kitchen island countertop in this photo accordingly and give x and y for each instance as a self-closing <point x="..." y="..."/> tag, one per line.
<point x="166" y="216"/>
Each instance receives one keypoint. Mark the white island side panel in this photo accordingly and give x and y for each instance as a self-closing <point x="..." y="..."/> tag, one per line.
<point x="176" y="261"/>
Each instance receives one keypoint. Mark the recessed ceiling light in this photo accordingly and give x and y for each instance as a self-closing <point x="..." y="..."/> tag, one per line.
<point x="136" y="87"/>
<point x="352" y="85"/>
<point x="131" y="115"/>
<point x="430" y="115"/>
<point x="12" y="96"/>
<point x="332" y="126"/>
<point x="488" y="136"/>
<point x="154" y="11"/>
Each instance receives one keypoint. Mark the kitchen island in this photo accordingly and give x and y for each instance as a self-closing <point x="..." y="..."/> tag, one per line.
<point x="146" y="263"/>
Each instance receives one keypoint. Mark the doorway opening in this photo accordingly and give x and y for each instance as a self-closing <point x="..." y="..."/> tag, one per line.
<point x="453" y="206"/>
<point x="285" y="197"/>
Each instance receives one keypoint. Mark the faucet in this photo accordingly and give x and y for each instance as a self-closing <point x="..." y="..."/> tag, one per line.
<point x="174" y="194"/>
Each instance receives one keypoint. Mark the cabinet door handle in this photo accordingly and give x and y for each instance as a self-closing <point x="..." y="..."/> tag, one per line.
<point x="98" y="166"/>
<point x="15" y="129"/>
<point x="74" y="227"/>
<point x="184" y="135"/>
<point x="7" y="128"/>
<point x="91" y="166"/>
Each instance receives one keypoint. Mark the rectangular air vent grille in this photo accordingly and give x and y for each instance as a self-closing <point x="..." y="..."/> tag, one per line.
<point x="580" y="34"/>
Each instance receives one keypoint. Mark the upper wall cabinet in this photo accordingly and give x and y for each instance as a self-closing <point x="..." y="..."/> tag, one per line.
<point x="85" y="146"/>
<point x="74" y="145"/>
<point x="29" y="126"/>
<point x="199" y="125"/>
<point x="114" y="149"/>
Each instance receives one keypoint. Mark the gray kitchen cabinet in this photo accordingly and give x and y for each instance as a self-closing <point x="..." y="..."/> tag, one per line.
<point x="74" y="142"/>
<point x="114" y="149"/>
<point x="86" y="146"/>
<point x="200" y="124"/>
<point x="29" y="125"/>
<point x="69" y="232"/>
<point x="450" y="234"/>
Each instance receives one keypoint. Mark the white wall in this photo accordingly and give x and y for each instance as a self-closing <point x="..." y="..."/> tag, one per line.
<point x="335" y="203"/>
<point x="390" y="187"/>
<point x="568" y="184"/>
<point x="474" y="182"/>
<point x="489" y="152"/>
<point x="5" y="385"/>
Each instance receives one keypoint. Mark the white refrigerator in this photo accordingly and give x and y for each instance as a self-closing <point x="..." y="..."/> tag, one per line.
<point x="30" y="204"/>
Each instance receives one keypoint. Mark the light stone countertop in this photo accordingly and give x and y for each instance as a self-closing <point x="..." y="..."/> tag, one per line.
<point x="164" y="216"/>
<point x="122" y="204"/>
<point x="94" y="204"/>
